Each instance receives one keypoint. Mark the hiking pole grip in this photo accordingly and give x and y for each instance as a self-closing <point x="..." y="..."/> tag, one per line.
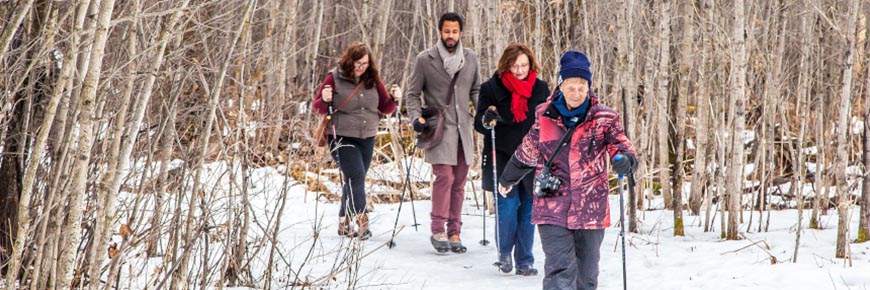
<point x="330" y="110"/>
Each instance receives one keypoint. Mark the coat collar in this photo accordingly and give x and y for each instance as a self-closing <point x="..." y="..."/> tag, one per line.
<point x="337" y="73"/>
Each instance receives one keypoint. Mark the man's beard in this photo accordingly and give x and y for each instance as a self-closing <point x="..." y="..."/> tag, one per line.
<point x="450" y="47"/>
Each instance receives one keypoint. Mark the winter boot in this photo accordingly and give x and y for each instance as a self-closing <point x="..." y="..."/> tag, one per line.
<point x="505" y="264"/>
<point x="344" y="227"/>
<point x="439" y="242"/>
<point x="456" y="245"/>
<point x="363" y="233"/>
<point x="526" y="270"/>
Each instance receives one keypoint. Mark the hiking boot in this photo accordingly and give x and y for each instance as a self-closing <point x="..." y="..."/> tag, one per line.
<point x="456" y="245"/>
<point x="526" y="270"/>
<point x="344" y="227"/>
<point x="440" y="243"/>
<point x="505" y="264"/>
<point x="362" y="221"/>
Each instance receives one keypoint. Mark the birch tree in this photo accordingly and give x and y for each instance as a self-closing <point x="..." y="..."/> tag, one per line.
<point x="738" y="90"/>
<point x="844" y="202"/>
<point x="83" y="152"/>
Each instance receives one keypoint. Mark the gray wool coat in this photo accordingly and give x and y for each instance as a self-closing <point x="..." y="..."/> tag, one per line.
<point x="429" y="84"/>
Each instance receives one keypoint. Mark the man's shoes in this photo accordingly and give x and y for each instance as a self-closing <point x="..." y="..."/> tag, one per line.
<point x="504" y="264"/>
<point x="526" y="270"/>
<point x="440" y="243"/>
<point x="456" y="245"/>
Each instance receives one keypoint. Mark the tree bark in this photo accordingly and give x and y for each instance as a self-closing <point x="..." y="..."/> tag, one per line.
<point x="864" y="201"/>
<point x="844" y="202"/>
<point x="738" y="91"/>
<point x="663" y="27"/>
<point x="679" y="119"/>
<point x="72" y="227"/>
<point x="803" y="91"/>
<point x="626" y="80"/>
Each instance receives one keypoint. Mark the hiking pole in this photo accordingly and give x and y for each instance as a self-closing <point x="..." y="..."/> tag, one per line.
<point x="406" y="185"/>
<point x="334" y="135"/>
<point x="407" y="163"/>
<point x="494" y="182"/>
<point x="407" y="182"/>
<point x="483" y="213"/>
<point x="622" y="221"/>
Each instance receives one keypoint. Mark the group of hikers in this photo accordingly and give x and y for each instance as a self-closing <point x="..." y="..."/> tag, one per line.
<point x="551" y="155"/>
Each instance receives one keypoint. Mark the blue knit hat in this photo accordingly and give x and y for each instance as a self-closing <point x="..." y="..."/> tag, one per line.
<point x="575" y="64"/>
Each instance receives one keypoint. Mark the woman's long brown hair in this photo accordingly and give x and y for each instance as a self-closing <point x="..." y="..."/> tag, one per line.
<point x="354" y="52"/>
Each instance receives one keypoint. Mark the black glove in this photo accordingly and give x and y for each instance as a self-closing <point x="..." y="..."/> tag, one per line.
<point x="418" y="126"/>
<point x="490" y="117"/>
<point x="624" y="164"/>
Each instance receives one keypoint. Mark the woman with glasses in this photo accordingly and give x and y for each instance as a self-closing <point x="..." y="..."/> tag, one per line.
<point x="507" y="104"/>
<point x="357" y="97"/>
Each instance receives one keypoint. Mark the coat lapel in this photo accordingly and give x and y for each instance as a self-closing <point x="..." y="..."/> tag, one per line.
<point x="436" y="61"/>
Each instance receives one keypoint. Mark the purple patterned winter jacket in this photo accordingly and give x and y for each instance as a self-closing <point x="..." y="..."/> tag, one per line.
<point x="581" y="201"/>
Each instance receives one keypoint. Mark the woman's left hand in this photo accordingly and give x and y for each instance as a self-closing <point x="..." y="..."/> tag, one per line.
<point x="396" y="92"/>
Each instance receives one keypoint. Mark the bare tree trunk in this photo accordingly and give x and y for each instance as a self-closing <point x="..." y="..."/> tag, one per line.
<point x="703" y="107"/>
<point x="30" y="172"/>
<point x="663" y="27"/>
<point x="844" y="203"/>
<point x="46" y="251"/>
<point x="380" y="33"/>
<point x="72" y="228"/>
<point x="539" y="30"/>
<point x="803" y="102"/>
<point x="819" y="184"/>
<point x="646" y="165"/>
<point x="625" y="50"/>
<point x="864" y="201"/>
<point x="685" y="75"/>
<point x="738" y="91"/>
<point x="311" y="59"/>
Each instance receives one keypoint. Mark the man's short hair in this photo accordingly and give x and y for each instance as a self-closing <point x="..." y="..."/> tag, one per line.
<point x="450" y="16"/>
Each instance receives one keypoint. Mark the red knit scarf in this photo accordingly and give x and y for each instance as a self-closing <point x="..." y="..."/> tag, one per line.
<point x="521" y="91"/>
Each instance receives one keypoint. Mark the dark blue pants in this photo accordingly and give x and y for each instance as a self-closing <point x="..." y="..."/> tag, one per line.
<point x="516" y="233"/>
<point x="354" y="156"/>
<point x="571" y="257"/>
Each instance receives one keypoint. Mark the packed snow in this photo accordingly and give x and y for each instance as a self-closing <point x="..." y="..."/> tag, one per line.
<point x="655" y="259"/>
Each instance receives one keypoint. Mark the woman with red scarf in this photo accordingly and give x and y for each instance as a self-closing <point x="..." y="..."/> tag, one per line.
<point x="507" y="102"/>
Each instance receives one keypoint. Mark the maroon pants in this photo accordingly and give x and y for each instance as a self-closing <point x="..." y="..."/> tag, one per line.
<point x="448" y="193"/>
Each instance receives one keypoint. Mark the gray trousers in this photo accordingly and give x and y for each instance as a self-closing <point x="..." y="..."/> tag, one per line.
<point x="570" y="257"/>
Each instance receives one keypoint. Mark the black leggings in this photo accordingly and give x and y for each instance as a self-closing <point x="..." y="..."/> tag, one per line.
<point x="354" y="155"/>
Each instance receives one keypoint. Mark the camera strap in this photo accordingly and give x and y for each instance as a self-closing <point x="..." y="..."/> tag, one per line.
<point x="565" y="139"/>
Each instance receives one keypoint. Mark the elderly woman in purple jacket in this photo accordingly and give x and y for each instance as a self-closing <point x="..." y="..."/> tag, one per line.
<point x="570" y="204"/>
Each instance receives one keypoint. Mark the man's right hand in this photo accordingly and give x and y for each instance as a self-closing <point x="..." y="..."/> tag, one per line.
<point x="419" y="125"/>
<point x="490" y="117"/>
